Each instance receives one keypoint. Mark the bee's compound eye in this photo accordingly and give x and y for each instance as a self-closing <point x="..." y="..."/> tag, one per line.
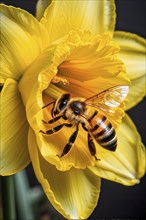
<point x="76" y="111"/>
<point x="63" y="101"/>
<point x="62" y="104"/>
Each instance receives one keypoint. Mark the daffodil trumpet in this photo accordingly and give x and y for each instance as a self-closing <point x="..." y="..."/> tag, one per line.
<point x="55" y="54"/>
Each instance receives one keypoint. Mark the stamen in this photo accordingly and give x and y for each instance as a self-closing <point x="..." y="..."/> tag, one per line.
<point x="58" y="79"/>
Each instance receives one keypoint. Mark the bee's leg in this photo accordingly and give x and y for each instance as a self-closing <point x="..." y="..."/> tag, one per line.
<point x="52" y="110"/>
<point x="92" y="116"/>
<point x="52" y="120"/>
<point x="91" y="146"/>
<point x="55" y="129"/>
<point x="84" y="127"/>
<point x="70" y="143"/>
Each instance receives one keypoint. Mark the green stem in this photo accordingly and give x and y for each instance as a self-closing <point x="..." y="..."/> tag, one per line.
<point x="8" y="198"/>
<point x="23" y="198"/>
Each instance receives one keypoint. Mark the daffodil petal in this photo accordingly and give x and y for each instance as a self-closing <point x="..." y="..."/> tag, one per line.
<point x="63" y="16"/>
<point x="136" y="93"/>
<point x="73" y="193"/>
<point x="22" y="39"/>
<point x="14" y="128"/>
<point x="133" y="54"/>
<point x="128" y="163"/>
<point x="40" y="8"/>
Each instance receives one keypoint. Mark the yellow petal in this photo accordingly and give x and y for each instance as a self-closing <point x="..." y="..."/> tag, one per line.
<point x="137" y="92"/>
<point x="128" y="163"/>
<point x="22" y="39"/>
<point x="73" y="193"/>
<point x="63" y="16"/>
<point x="14" y="128"/>
<point x="40" y="8"/>
<point x="133" y="54"/>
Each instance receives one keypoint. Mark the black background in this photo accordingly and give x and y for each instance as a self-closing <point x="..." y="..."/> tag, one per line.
<point x="116" y="200"/>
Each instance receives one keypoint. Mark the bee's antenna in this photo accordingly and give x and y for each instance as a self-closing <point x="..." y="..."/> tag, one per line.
<point x="48" y="104"/>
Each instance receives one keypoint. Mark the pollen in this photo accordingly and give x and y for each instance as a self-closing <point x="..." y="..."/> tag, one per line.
<point x="58" y="79"/>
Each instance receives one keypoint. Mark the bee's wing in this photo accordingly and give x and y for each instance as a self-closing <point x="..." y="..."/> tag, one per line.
<point x="109" y="100"/>
<point x="111" y="97"/>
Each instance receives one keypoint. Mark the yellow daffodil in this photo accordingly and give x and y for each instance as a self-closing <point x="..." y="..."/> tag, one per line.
<point x="70" y="47"/>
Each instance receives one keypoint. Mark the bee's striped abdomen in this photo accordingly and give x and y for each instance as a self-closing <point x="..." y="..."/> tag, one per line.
<point x="103" y="131"/>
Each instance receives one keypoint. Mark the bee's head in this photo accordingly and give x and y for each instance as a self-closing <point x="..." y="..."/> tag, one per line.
<point x="77" y="107"/>
<point x="61" y="104"/>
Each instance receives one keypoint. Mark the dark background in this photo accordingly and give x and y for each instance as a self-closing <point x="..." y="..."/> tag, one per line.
<point x="116" y="201"/>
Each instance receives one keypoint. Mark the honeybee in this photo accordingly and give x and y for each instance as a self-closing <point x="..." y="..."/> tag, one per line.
<point x="77" y="110"/>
